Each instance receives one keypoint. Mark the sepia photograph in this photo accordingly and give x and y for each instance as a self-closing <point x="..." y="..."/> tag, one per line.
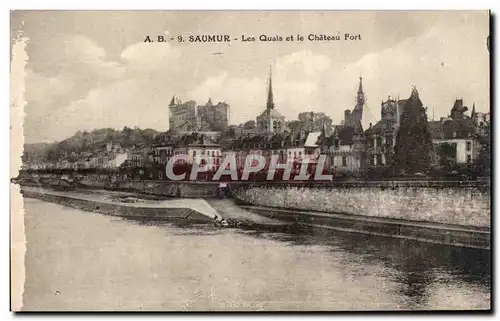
<point x="250" y="161"/>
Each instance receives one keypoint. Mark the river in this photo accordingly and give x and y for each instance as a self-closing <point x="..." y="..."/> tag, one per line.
<point x="79" y="260"/>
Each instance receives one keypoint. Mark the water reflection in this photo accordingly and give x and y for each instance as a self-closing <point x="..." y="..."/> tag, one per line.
<point x="128" y="265"/>
<point x="414" y="266"/>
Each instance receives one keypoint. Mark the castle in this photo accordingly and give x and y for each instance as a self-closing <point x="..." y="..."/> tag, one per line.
<point x="188" y="116"/>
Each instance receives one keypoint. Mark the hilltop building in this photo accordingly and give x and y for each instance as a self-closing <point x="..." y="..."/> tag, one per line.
<point x="182" y="116"/>
<point x="188" y="116"/>
<point x="212" y="117"/>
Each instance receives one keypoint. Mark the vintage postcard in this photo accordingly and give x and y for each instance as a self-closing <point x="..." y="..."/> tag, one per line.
<point x="250" y="161"/>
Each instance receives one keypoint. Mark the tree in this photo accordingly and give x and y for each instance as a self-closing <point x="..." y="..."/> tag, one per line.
<point x="249" y="124"/>
<point x="414" y="147"/>
<point x="314" y="121"/>
<point x="294" y="125"/>
<point x="447" y="154"/>
<point x="483" y="161"/>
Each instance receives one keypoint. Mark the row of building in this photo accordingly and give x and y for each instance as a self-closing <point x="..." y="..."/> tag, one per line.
<point x="201" y="131"/>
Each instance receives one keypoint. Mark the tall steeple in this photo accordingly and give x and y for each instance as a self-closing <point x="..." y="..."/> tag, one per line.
<point x="270" y="100"/>
<point x="360" y="98"/>
<point x="172" y="102"/>
<point x="473" y="113"/>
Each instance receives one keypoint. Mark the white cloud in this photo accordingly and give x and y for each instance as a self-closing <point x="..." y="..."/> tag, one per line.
<point x="295" y="79"/>
<point x="44" y="89"/>
<point x="445" y="63"/>
<point x="145" y="55"/>
<point x="301" y="63"/>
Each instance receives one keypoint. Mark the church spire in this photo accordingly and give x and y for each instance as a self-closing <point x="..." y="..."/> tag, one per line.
<point x="360" y="98"/>
<point x="172" y="102"/>
<point x="270" y="100"/>
<point x="473" y="113"/>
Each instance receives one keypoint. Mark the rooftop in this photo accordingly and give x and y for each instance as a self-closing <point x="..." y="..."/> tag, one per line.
<point x="271" y="112"/>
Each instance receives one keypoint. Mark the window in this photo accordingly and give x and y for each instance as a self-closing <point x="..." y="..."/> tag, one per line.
<point x="389" y="141"/>
<point x="379" y="141"/>
<point x="388" y="158"/>
<point x="372" y="160"/>
<point x="469" y="146"/>
<point x="469" y="159"/>
<point x="379" y="160"/>
<point x="344" y="161"/>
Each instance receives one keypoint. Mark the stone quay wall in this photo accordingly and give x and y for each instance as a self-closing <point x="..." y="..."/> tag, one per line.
<point x="173" y="189"/>
<point x="448" y="203"/>
<point x="154" y="187"/>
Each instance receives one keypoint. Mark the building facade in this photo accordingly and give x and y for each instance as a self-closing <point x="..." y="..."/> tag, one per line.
<point x="182" y="116"/>
<point x="380" y="138"/>
<point x="188" y="116"/>
<point x="212" y="117"/>
<point x="455" y="137"/>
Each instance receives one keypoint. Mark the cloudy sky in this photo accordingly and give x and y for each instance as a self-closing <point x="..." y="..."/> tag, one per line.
<point x="92" y="69"/>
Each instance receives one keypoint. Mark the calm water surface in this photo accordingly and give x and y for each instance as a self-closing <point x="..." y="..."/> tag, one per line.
<point x="78" y="260"/>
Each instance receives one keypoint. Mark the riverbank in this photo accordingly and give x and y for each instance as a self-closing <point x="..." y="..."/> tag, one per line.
<point x="146" y="207"/>
<point x="457" y="216"/>
<point x="456" y="203"/>
<point x="445" y="234"/>
<point x="188" y="189"/>
<point x="127" y="206"/>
